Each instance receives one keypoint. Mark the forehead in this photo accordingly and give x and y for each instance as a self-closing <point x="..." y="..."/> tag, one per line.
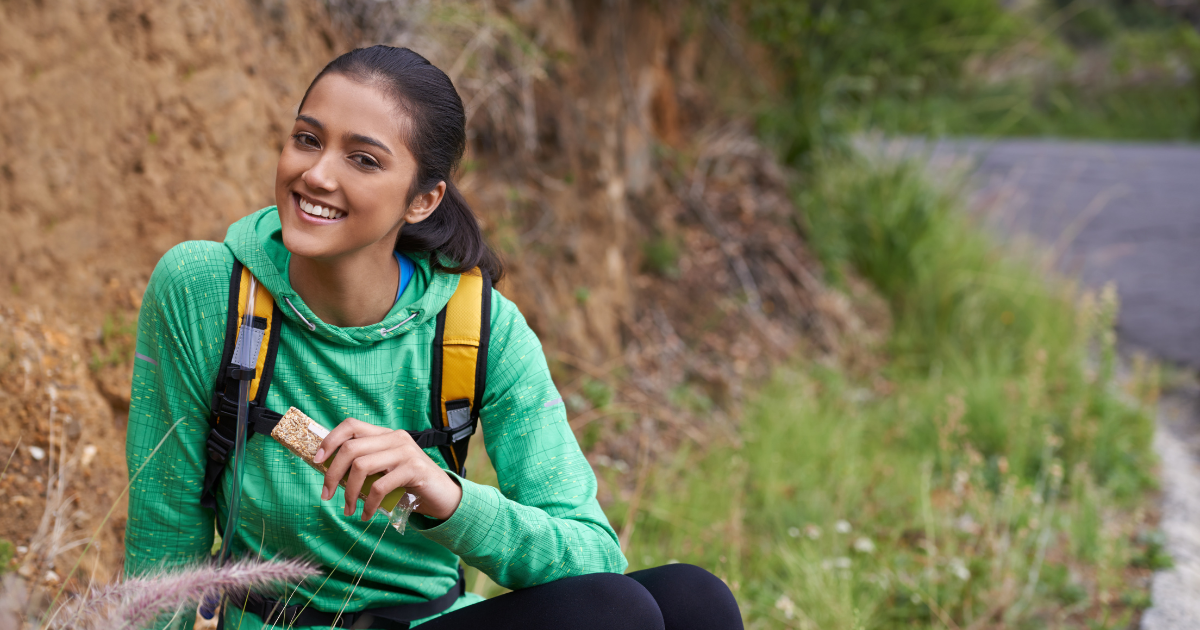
<point x="344" y="105"/>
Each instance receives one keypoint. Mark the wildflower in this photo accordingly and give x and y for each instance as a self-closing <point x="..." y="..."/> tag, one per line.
<point x="794" y="532"/>
<point x="842" y="562"/>
<point x="785" y="605"/>
<point x="967" y="525"/>
<point x="864" y="545"/>
<point x="959" y="569"/>
<point x="842" y="527"/>
<point x="812" y="531"/>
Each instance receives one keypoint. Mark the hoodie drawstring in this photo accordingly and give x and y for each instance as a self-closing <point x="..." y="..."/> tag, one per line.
<point x="384" y="331"/>
<point x="311" y="326"/>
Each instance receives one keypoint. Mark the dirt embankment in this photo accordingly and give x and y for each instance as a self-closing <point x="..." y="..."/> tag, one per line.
<point x="125" y="127"/>
<point x="651" y="239"/>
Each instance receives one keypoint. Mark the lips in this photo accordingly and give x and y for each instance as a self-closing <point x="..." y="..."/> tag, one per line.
<point x="316" y="210"/>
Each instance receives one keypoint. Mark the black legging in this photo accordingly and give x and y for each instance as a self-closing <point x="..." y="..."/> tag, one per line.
<point x="670" y="597"/>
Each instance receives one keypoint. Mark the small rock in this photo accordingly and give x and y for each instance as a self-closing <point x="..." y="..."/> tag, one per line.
<point x="37" y="453"/>
<point x="22" y="550"/>
<point x="50" y="578"/>
<point x="89" y="453"/>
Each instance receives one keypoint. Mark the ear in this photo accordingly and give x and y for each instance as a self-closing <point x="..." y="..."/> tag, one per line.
<point x="423" y="205"/>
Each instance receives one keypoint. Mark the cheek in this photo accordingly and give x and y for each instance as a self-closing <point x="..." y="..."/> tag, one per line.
<point x="291" y="165"/>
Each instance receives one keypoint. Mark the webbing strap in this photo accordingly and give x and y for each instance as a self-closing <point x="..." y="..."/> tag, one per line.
<point x="264" y="307"/>
<point x="265" y="332"/>
<point x="460" y="364"/>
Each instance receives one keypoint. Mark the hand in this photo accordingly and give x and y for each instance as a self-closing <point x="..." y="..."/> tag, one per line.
<point x="364" y="449"/>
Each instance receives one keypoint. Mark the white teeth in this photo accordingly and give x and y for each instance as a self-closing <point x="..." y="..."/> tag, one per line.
<point x="319" y="211"/>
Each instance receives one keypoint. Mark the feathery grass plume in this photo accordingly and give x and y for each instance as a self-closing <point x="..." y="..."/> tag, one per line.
<point x="137" y="602"/>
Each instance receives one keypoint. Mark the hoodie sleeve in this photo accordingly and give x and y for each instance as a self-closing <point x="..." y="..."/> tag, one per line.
<point x="179" y="341"/>
<point x="544" y="522"/>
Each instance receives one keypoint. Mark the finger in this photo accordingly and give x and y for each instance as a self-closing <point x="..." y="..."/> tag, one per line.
<point x="377" y="462"/>
<point x="348" y="453"/>
<point x="399" y="477"/>
<point x="348" y="429"/>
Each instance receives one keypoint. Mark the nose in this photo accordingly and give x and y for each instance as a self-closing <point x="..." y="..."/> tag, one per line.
<point x="320" y="176"/>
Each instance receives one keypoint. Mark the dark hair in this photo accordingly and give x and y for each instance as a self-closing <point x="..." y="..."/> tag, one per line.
<point x="437" y="137"/>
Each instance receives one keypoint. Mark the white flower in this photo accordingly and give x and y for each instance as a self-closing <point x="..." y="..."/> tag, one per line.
<point x="842" y="527"/>
<point x="786" y="605"/>
<point x="842" y="562"/>
<point x="959" y="569"/>
<point x="812" y="531"/>
<point x="794" y="532"/>
<point x="864" y="545"/>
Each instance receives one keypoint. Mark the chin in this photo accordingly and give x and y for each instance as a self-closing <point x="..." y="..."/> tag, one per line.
<point x="300" y="244"/>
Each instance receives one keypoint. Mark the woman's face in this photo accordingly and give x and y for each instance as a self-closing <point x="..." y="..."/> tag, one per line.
<point x="344" y="173"/>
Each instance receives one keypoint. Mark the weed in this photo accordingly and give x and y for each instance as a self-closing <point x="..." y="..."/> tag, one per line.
<point x="597" y="392"/>
<point x="661" y="256"/>
<point x="7" y="552"/>
<point x="582" y="295"/>
<point x="993" y="483"/>
<point x="115" y="343"/>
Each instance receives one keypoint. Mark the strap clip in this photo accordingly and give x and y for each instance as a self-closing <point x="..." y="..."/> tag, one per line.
<point x="239" y="373"/>
<point x="219" y="446"/>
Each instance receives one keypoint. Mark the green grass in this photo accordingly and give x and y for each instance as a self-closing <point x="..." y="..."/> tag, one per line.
<point x="990" y="474"/>
<point x="1155" y="112"/>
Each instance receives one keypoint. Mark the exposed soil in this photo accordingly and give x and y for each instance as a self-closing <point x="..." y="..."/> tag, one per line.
<point x="651" y="240"/>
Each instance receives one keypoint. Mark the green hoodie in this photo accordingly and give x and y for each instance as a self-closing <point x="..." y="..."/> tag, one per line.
<point x="542" y="524"/>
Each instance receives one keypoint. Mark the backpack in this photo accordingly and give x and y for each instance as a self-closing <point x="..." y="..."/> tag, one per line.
<point x="457" y="383"/>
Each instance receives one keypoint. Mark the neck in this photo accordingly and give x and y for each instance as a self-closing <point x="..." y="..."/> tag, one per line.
<point x="354" y="290"/>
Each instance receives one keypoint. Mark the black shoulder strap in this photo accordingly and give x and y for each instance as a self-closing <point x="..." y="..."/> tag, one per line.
<point x="223" y="419"/>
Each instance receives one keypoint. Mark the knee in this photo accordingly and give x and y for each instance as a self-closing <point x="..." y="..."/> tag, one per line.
<point x="683" y="578"/>
<point x="691" y="597"/>
<point x="616" y="592"/>
<point x="695" y="579"/>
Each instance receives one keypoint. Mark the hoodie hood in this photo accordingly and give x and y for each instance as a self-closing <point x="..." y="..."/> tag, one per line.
<point x="257" y="241"/>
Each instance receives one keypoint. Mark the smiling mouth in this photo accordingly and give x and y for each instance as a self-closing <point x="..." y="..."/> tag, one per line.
<point x="318" y="211"/>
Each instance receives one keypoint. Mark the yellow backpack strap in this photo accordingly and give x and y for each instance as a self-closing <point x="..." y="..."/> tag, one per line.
<point x="459" y="365"/>
<point x="263" y="337"/>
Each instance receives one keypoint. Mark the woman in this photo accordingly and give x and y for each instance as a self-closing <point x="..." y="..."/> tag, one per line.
<point x="362" y="250"/>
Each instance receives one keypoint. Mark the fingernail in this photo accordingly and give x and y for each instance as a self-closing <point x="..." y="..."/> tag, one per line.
<point x="319" y="456"/>
<point x="325" y="494"/>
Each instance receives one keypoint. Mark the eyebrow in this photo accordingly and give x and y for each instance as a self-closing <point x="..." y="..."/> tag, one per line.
<point x="358" y="137"/>
<point x="351" y="137"/>
<point x="312" y="121"/>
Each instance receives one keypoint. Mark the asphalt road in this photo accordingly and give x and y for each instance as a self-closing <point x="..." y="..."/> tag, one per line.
<point x="1108" y="212"/>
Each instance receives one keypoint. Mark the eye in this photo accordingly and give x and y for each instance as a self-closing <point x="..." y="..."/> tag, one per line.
<point x="305" y="139"/>
<point x="365" y="161"/>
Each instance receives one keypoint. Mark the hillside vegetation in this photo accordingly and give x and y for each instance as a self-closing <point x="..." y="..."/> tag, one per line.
<point x="805" y="371"/>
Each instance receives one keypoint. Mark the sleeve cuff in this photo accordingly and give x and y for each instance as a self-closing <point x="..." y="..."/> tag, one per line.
<point x="470" y="524"/>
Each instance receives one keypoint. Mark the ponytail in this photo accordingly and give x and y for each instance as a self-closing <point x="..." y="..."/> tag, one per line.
<point x="452" y="236"/>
